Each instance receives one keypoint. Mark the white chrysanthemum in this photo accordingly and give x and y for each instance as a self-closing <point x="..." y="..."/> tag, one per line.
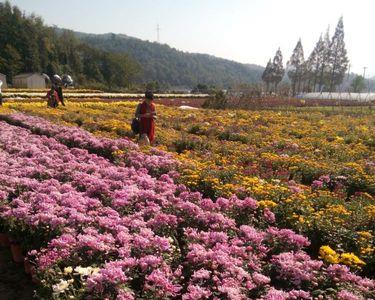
<point x="60" y="287"/>
<point x="68" y="270"/>
<point x="86" y="271"/>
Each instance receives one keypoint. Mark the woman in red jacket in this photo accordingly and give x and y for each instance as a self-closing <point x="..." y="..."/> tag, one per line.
<point x="146" y="113"/>
<point x="52" y="98"/>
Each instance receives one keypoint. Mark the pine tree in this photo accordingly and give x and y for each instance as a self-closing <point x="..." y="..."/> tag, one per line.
<point x="316" y="61"/>
<point x="338" y="56"/>
<point x="307" y="74"/>
<point x="295" y="67"/>
<point x="325" y="59"/>
<point x="277" y="69"/>
<point x="267" y="74"/>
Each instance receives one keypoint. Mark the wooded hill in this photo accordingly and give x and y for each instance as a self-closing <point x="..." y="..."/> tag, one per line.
<point x="107" y="61"/>
<point x="171" y="67"/>
<point x="27" y="45"/>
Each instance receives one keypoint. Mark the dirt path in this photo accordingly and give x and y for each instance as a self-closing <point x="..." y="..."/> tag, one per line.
<point x="14" y="283"/>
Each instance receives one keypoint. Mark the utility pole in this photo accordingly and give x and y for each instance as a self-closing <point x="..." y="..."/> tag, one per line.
<point x="347" y="78"/>
<point x="349" y="71"/>
<point x="364" y="78"/>
<point x="158" y="33"/>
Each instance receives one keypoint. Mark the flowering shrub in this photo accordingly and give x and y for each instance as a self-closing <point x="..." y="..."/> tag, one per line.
<point x="95" y="229"/>
<point x="313" y="170"/>
<point x="156" y="161"/>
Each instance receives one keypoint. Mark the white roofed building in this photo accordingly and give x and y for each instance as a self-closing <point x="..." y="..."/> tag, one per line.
<point x="29" y="80"/>
<point x="3" y="78"/>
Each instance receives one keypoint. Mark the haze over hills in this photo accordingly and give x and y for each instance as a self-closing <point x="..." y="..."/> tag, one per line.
<point x="115" y="61"/>
<point x="108" y="61"/>
<point x="175" y="68"/>
<point x="172" y="67"/>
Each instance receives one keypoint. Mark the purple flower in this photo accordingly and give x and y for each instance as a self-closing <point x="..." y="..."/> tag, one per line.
<point x="126" y="218"/>
<point x="296" y="267"/>
<point x="269" y="216"/>
<point x="159" y="281"/>
<point x="346" y="295"/>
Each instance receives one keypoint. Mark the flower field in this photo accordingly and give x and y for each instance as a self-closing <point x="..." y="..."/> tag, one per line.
<point x="89" y="94"/>
<point x="229" y="205"/>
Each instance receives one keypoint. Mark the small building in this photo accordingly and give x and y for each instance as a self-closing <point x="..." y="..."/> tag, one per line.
<point x="29" y="80"/>
<point x="3" y="78"/>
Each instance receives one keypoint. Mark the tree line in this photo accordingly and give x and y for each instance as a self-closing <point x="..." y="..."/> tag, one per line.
<point x="27" y="45"/>
<point x="109" y="61"/>
<point x="169" y="68"/>
<point x="323" y="70"/>
<point x="112" y="62"/>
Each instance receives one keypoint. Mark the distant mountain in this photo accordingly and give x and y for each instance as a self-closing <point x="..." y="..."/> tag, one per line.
<point x="174" y="68"/>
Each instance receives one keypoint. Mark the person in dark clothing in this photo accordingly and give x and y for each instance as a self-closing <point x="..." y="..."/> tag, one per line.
<point x="60" y="94"/>
<point x="55" y="94"/>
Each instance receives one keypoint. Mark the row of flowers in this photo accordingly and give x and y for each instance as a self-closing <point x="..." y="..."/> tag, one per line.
<point x="156" y="161"/>
<point x="27" y="90"/>
<point x="301" y="146"/>
<point x="96" y="229"/>
<point x="26" y="94"/>
<point x="314" y="170"/>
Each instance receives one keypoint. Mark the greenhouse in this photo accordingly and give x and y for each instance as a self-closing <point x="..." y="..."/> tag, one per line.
<point x="362" y="97"/>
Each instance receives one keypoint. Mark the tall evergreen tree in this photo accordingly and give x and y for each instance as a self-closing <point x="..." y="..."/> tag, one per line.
<point x="338" y="56"/>
<point x="277" y="69"/>
<point x="325" y="59"/>
<point x="307" y="74"/>
<point x="315" y="62"/>
<point x="267" y="75"/>
<point x="296" y="66"/>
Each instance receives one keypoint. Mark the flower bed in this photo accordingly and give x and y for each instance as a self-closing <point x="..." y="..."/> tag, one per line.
<point x="314" y="170"/>
<point x="96" y="229"/>
<point x="155" y="161"/>
<point x="95" y="94"/>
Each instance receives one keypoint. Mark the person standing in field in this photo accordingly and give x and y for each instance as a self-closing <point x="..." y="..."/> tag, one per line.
<point x="146" y="114"/>
<point x="55" y="94"/>
<point x="52" y="97"/>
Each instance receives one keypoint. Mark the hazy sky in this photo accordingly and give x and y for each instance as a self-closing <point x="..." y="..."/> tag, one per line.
<point x="248" y="31"/>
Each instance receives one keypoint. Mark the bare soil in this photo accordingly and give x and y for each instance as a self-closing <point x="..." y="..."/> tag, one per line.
<point x="14" y="283"/>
